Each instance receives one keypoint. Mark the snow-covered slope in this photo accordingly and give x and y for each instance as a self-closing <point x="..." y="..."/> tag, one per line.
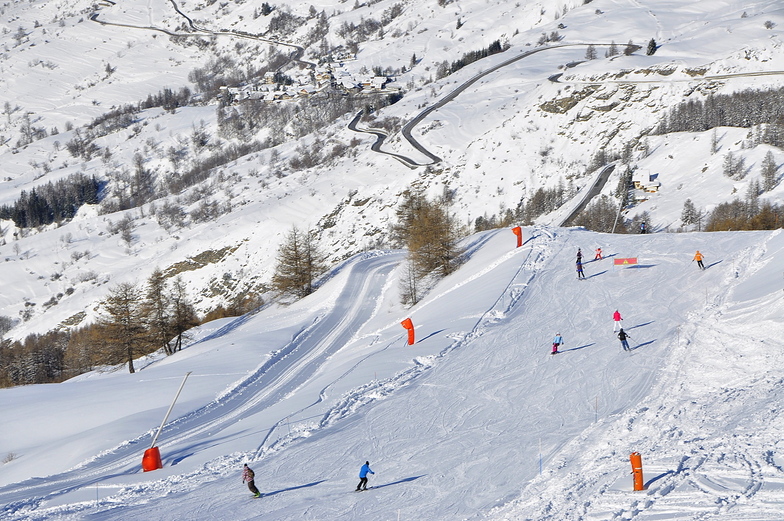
<point x="506" y="135"/>
<point x="476" y="420"/>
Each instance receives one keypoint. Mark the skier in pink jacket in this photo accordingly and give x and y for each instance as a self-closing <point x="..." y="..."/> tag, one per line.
<point x="617" y="319"/>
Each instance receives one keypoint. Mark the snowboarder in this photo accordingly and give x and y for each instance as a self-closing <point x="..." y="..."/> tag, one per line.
<point x="580" y="274"/>
<point x="579" y="255"/>
<point x="598" y="254"/>
<point x="557" y="341"/>
<point x="698" y="258"/>
<point x="643" y="229"/>
<point x="622" y="336"/>
<point x="363" y="472"/>
<point x="617" y="319"/>
<point x="247" y="477"/>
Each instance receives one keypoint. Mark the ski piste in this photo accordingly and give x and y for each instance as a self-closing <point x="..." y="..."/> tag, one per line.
<point x="509" y="335"/>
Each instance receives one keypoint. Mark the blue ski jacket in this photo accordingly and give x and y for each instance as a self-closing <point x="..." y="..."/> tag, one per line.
<point x="558" y="340"/>
<point x="363" y="472"/>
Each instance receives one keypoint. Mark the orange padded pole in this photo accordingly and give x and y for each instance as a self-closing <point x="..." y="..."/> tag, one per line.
<point x="410" y="326"/>
<point x="636" y="460"/>
<point x="519" y="232"/>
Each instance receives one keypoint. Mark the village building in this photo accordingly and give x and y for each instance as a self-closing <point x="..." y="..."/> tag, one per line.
<point x="645" y="183"/>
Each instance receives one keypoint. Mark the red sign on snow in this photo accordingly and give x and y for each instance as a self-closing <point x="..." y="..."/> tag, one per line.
<point x="626" y="261"/>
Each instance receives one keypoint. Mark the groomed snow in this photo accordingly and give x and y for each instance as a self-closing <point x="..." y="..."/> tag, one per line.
<point x="475" y="421"/>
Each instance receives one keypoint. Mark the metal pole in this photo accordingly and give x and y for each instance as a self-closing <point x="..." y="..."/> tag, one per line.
<point x="155" y="438"/>
<point x="540" y="456"/>
<point x="620" y="207"/>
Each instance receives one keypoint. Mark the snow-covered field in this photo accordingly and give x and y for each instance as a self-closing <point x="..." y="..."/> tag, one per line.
<point x="476" y="420"/>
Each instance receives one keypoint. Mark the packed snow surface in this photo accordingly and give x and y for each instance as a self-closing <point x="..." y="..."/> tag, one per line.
<point x="476" y="420"/>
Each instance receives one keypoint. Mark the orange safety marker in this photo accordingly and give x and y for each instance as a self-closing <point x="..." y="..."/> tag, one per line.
<point x="624" y="262"/>
<point x="636" y="460"/>
<point x="410" y="326"/>
<point x="519" y="232"/>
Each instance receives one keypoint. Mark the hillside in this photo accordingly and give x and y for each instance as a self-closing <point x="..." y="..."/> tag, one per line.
<point x="476" y="420"/>
<point x="537" y="122"/>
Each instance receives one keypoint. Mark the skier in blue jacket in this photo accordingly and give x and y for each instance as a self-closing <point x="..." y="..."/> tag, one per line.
<point x="557" y="341"/>
<point x="363" y="472"/>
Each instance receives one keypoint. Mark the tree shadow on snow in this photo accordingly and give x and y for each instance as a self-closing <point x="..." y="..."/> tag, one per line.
<point x="293" y="488"/>
<point x="398" y="482"/>
<point x="635" y="348"/>
<point x="641" y="325"/>
<point x="576" y="348"/>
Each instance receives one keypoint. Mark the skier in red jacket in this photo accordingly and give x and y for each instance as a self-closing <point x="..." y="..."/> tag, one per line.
<point x="617" y="319"/>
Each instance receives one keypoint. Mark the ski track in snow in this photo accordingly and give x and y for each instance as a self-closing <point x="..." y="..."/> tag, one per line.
<point x="704" y="457"/>
<point x="735" y="481"/>
<point x="269" y="384"/>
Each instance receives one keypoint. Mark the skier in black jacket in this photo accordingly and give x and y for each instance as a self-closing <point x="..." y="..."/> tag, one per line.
<point x="622" y="336"/>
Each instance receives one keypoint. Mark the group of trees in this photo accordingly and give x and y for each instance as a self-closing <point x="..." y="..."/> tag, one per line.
<point x="140" y="320"/>
<point x="52" y="202"/>
<point x="135" y="320"/>
<point x="294" y="119"/>
<point x="542" y="201"/>
<point x="429" y="231"/>
<point x="367" y="27"/>
<point x="741" y="214"/>
<point x="744" y="109"/>
<point x="444" y="69"/>
<point x="748" y="213"/>
<point x="426" y="228"/>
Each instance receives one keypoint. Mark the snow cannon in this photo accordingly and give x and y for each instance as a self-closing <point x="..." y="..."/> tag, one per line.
<point x="410" y="326"/>
<point x="519" y="232"/>
<point x="151" y="459"/>
<point x="636" y="460"/>
<point x="152" y="456"/>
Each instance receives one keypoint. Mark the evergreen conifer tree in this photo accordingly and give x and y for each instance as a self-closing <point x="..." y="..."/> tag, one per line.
<point x="769" y="172"/>
<point x="123" y="323"/>
<point x="299" y="263"/>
